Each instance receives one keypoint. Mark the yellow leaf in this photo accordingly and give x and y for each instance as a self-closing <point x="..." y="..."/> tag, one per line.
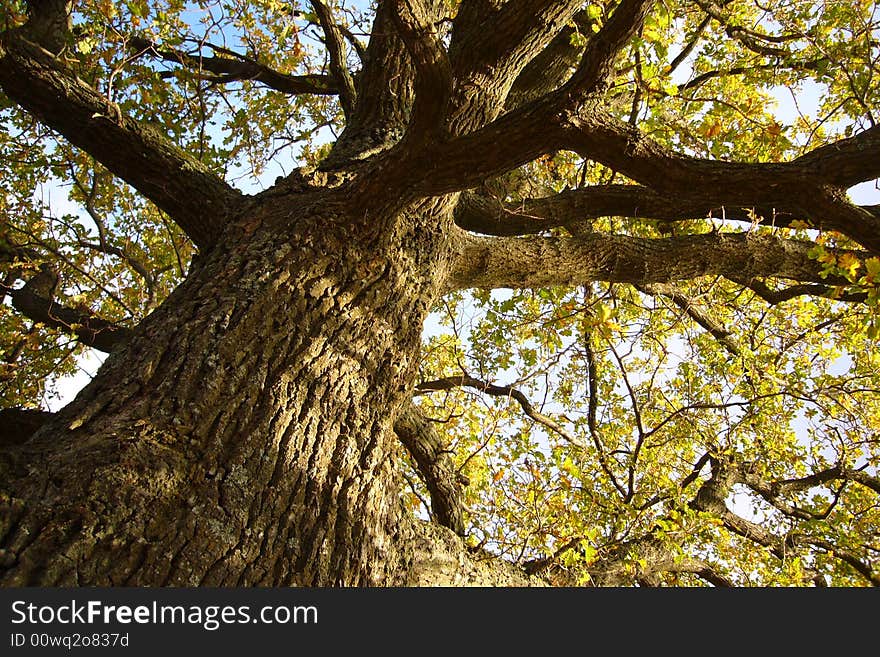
<point x="849" y="263"/>
<point x="774" y="129"/>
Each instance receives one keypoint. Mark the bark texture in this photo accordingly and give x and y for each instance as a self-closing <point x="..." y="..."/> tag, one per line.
<point x="196" y="459"/>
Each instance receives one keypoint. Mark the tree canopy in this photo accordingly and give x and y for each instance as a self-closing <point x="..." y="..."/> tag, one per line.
<point x="656" y="358"/>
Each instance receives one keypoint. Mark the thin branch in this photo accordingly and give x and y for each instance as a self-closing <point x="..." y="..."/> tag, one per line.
<point x="637" y="415"/>
<point x="808" y="65"/>
<point x="510" y="392"/>
<point x="751" y="39"/>
<point x="693" y="311"/>
<point x="712" y="497"/>
<point x="689" y="46"/>
<point x="698" y="467"/>
<point x="592" y="424"/>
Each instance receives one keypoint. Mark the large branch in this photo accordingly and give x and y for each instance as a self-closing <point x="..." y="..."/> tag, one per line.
<point x="532" y="262"/>
<point x="490" y="216"/>
<point x="336" y="53"/>
<point x="49" y="23"/>
<point x="712" y="496"/>
<point x="547" y="71"/>
<point x="772" y="489"/>
<point x="645" y="559"/>
<point x="594" y="133"/>
<point x="240" y="67"/>
<point x="845" y="162"/>
<point x="491" y="43"/>
<point x="429" y="451"/>
<point x="384" y="94"/>
<point x="17" y="425"/>
<point x="197" y="199"/>
<point x="433" y="79"/>
<point x="603" y="47"/>
<point x="807" y="186"/>
<point x="490" y="38"/>
<point x="88" y="328"/>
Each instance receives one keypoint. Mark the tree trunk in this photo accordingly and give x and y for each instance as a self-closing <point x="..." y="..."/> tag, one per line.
<point x="243" y="436"/>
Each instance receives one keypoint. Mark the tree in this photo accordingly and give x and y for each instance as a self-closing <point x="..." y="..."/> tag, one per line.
<point x="654" y="357"/>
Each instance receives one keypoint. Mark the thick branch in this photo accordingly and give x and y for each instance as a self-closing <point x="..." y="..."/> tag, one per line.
<point x="844" y="555"/>
<point x="523" y="134"/>
<point x="541" y="262"/>
<point x="19" y="424"/>
<point x="837" y="473"/>
<point x="489" y="216"/>
<point x="651" y="558"/>
<point x="428" y="450"/>
<point x="845" y="162"/>
<point x="804" y="186"/>
<point x="384" y="94"/>
<point x="336" y="52"/>
<point x="229" y="69"/>
<point x="603" y="47"/>
<point x="433" y="80"/>
<point x="546" y="72"/>
<point x="487" y="38"/>
<point x="698" y="567"/>
<point x="712" y="496"/>
<point x="49" y="23"/>
<point x="490" y="46"/>
<point x="89" y="329"/>
<point x="197" y="199"/>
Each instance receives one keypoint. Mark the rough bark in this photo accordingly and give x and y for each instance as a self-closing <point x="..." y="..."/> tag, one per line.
<point x="542" y="261"/>
<point x="195" y="458"/>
